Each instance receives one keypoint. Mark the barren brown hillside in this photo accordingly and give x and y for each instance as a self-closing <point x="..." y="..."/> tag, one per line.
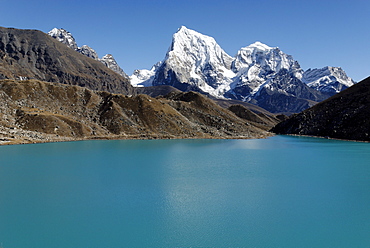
<point x="36" y="111"/>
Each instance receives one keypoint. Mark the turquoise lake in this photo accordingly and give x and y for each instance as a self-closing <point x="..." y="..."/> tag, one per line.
<point x="277" y="192"/>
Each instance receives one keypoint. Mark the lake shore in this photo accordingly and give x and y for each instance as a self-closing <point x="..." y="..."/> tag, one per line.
<point x="322" y="137"/>
<point x="14" y="136"/>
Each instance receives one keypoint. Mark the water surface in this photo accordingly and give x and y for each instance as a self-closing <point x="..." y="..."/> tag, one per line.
<point x="277" y="192"/>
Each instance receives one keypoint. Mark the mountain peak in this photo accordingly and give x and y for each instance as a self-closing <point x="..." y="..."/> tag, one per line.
<point x="88" y="51"/>
<point x="264" y="59"/>
<point x="187" y="35"/>
<point x="111" y="63"/>
<point x="327" y="79"/>
<point x="182" y="29"/>
<point x="260" y="46"/>
<point x="187" y="42"/>
<point x="194" y="58"/>
<point x="64" y="36"/>
<point x="108" y="56"/>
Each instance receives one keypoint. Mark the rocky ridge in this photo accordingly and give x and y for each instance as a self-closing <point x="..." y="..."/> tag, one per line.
<point x="67" y="38"/>
<point x="35" y="111"/>
<point x="32" y="54"/>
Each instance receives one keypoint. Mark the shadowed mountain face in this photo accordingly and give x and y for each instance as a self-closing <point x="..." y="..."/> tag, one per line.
<point x="32" y="54"/>
<point x="343" y="116"/>
<point x="36" y="111"/>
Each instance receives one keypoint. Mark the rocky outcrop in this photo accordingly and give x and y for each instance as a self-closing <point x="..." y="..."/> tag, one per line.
<point x="36" y="111"/>
<point x="32" y="54"/>
<point x="343" y="116"/>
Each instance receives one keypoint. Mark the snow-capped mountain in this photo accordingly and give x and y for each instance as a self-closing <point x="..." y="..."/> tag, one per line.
<point x="111" y="63"/>
<point x="258" y="74"/>
<point x="284" y="92"/>
<point x="64" y="36"/>
<point x="144" y="78"/>
<point x="88" y="51"/>
<point x="195" y="62"/>
<point x="67" y="38"/>
<point x="269" y="78"/>
<point x="257" y="63"/>
<point x="264" y="59"/>
<point x="329" y="79"/>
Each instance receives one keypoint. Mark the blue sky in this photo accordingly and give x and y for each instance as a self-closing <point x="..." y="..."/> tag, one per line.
<point x="138" y="33"/>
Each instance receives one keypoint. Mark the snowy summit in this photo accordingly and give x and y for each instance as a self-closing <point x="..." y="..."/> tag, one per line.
<point x="64" y="36"/>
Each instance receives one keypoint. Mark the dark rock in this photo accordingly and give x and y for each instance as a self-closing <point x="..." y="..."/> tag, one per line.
<point x="342" y="116"/>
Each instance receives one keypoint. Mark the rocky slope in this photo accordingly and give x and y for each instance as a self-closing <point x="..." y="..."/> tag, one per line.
<point x="259" y="74"/>
<point x="36" y="111"/>
<point x="67" y="38"/>
<point x="32" y="54"/>
<point x="343" y="116"/>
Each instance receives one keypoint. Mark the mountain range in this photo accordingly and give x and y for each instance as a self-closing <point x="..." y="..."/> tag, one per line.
<point x="52" y="91"/>
<point x="258" y="74"/>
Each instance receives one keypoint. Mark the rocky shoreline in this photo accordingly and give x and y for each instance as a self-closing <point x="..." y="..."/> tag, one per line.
<point x="20" y="137"/>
